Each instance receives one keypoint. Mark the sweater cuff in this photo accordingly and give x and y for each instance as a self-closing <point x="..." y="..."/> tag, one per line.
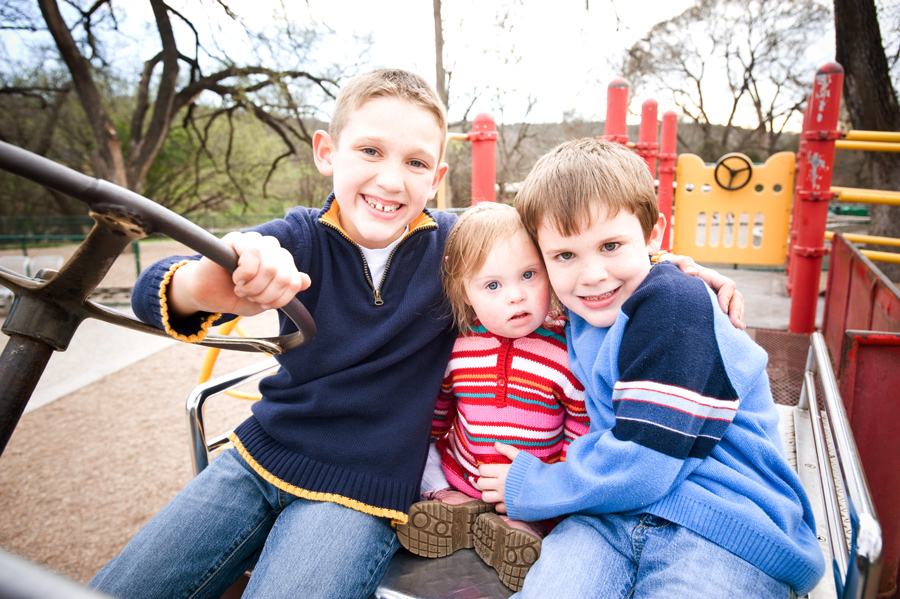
<point x="515" y="479"/>
<point x="192" y="329"/>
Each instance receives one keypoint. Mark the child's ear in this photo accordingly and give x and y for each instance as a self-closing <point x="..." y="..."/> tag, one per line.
<point x="656" y="235"/>
<point x="323" y="150"/>
<point x="438" y="177"/>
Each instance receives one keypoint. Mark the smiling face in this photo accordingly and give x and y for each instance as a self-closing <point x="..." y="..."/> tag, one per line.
<point x="595" y="270"/>
<point x="510" y="293"/>
<point x="386" y="166"/>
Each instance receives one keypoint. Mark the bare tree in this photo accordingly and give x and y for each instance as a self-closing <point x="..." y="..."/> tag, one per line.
<point x="440" y="74"/>
<point x="747" y="55"/>
<point x="871" y="100"/>
<point x="178" y="70"/>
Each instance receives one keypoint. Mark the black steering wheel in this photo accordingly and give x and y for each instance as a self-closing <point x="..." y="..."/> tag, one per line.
<point x="124" y="216"/>
<point x="47" y="311"/>
<point x="733" y="171"/>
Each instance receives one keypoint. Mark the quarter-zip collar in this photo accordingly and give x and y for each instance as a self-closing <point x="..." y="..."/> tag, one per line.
<point x="330" y="218"/>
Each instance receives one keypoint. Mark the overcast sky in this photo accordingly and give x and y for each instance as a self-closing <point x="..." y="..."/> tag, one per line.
<point x="557" y="51"/>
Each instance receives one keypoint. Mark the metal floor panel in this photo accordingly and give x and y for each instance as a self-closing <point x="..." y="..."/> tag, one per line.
<point x="787" y="362"/>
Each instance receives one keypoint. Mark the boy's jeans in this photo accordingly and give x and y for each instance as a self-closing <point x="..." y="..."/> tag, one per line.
<point x="642" y="557"/>
<point x="227" y="520"/>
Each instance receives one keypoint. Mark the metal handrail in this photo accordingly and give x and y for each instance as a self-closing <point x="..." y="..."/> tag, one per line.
<point x="857" y="570"/>
<point x="200" y="445"/>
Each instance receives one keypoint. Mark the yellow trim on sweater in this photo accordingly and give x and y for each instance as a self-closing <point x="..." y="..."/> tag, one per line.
<point x="164" y="310"/>
<point x="397" y="517"/>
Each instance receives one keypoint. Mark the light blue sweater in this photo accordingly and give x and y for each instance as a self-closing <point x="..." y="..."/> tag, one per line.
<point x="683" y="426"/>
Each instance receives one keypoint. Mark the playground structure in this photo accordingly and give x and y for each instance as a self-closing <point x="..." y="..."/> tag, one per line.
<point x="744" y="210"/>
<point x="775" y="214"/>
<point x="859" y="342"/>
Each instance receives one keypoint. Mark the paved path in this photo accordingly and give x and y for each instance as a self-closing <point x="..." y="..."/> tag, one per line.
<point x="98" y="349"/>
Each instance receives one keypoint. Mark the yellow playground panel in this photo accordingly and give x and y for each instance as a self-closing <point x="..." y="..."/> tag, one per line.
<point x="733" y="211"/>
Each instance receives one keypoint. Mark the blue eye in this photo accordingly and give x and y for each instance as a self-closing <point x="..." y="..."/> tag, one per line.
<point x="529" y="275"/>
<point x="370" y="151"/>
<point x="492" y="286"/>
<point x="611" y="246"/>
<point x="418" y="164"/>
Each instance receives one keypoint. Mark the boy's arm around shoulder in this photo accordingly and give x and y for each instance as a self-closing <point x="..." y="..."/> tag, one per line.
<point x="730" y="299"/>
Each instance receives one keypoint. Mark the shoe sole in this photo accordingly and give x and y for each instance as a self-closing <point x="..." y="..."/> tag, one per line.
<point x="509" y="551"/>
<point x="437" y="529"/>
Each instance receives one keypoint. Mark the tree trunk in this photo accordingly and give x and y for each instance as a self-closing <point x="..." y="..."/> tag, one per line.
<point x="108" y="161"/>
<point x="440" y="77"/>
<point x="872" y="104"/>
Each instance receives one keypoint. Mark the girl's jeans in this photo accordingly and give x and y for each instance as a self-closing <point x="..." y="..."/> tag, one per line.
<point x="228" y="520"/>
<point x="642" y="557"/>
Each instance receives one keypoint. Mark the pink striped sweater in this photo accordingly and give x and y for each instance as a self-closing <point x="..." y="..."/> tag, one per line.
<point x="516" y="391"/>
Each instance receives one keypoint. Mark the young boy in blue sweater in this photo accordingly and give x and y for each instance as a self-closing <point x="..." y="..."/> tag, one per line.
<point x="334" y="450"/>
<point x="681" y="487"/>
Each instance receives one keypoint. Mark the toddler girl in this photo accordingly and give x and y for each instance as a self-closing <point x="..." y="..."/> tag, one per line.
<point x="508" y="380"/>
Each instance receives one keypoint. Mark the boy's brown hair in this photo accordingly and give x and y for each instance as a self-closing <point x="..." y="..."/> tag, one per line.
<point x="386" y="83"/>
<point x="570" y="182"/>
<point x="468" y="245"/>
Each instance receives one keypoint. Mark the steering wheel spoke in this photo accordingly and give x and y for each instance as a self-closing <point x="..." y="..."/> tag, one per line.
<point x="123" y="215"/>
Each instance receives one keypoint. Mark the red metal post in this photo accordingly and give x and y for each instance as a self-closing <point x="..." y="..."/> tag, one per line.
<point x="814" y="194"/>
<point x="484" y="158"/>
<point x="795" y="215"/>
<point x="647" y="147"/>
<point x="667" y="156"/>
<point x="615" y="128"/>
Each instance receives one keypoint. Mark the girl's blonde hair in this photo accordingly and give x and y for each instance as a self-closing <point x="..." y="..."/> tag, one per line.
<point x="468" y="246"/>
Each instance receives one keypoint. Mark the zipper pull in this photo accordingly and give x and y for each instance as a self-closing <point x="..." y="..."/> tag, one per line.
<point x="378" y="300"/>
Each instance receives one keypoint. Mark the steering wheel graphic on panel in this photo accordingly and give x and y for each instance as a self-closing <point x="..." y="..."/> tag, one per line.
<point x="733" y="171"/>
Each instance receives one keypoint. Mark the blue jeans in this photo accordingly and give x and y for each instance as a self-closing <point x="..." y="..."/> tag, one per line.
<point x="640" y="557"/>
<point x="228" y="520"/>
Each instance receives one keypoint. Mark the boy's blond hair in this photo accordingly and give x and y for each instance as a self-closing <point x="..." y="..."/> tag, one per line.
<point x="570" y="182"/>
<point x="468" y="245"/>
<point x="386" y="83"/>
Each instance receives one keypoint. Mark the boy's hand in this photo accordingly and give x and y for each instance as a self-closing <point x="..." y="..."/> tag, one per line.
<point x="730" y="299"/>
<point x="493" y="478"/>
<point x="266" y="277"/>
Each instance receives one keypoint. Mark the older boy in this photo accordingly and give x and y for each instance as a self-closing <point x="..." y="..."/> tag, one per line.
<point x="335" y="449"/>
<point x="681" y="488"/>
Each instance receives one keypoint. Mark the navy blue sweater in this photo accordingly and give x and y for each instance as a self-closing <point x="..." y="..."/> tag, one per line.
<point x="347" y="417"/>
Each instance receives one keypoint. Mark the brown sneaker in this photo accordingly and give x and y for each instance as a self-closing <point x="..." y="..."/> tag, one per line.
<point x="508" y="546"/>
<point x="439" y="527"/>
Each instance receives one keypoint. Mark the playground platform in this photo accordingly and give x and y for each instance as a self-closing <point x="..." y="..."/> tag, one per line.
<point x="104" y="443"/>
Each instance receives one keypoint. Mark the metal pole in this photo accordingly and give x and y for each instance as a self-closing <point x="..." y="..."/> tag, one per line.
<point x="814" y="195"/>
<point x="647" y="146"/>
<point x="795" y="217"/>
<point x="667" y="157"/>
<point x="615" y="128"/>
<point x="21" y="365"/>
<point x="484" y="158"/>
